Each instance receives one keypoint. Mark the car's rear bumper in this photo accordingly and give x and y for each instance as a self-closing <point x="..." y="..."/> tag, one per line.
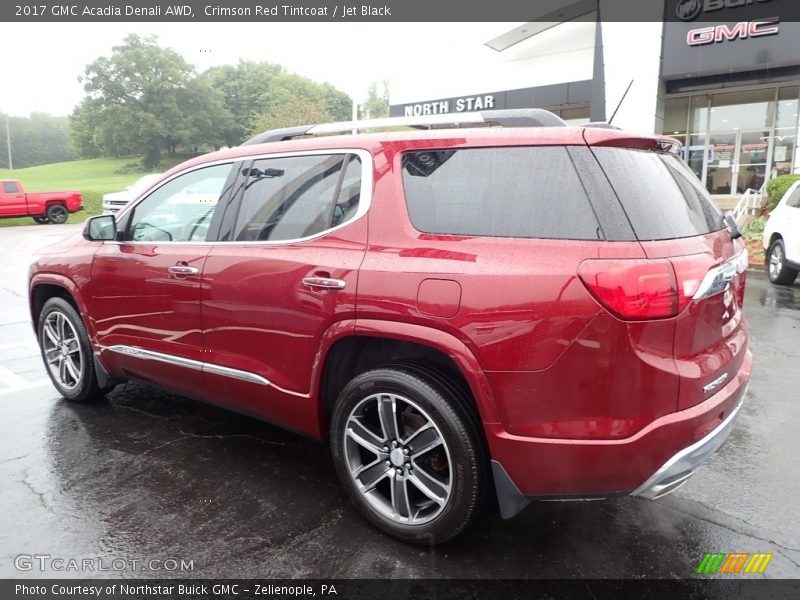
<point x="651" y="463"/>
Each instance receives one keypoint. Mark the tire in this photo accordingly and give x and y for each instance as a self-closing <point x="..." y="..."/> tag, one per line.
<point x="66" y="351"/>
<point x="41" y="220"/>
<point x="777" y="270"/>
<point x="422" y="495"/>
<point x="57" y="213"/>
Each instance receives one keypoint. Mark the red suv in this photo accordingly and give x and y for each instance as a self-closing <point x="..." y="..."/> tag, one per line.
<point x="507" y="302"/>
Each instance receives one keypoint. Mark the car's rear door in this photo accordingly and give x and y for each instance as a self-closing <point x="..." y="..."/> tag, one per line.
<point x="144" y="292"/>
<point x="283" y="274"/>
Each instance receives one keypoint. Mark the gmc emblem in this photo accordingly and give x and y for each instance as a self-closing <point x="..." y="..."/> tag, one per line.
<point x="739" y="31"/>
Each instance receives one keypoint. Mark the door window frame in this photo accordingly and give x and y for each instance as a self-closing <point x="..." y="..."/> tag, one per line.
<point x="234" y="205"/>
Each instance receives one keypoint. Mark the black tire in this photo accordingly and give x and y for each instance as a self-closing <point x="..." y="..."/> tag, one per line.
<point x="57" y="213"/>
<point x="84" y="387"/>
<point x="777" y="270"/>
<point x="417" y="395"/>
<point x="41" y="220"/>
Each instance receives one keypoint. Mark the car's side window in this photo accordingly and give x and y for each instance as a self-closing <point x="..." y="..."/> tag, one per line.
<point x="181" y="209"/>
<point x="10" y="187"/>
<point x="794" y="199"/>
<point x="289" y="198"/>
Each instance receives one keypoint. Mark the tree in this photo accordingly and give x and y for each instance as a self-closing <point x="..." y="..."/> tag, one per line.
<point x="36" y="140"/>
<point x="144" y="99"/>
<point x="376" y="105"/>
<point x="242" y="88"/>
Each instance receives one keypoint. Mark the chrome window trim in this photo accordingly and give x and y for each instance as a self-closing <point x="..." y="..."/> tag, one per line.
<point x="189" y="363"/>
<point x="364" y="202"/>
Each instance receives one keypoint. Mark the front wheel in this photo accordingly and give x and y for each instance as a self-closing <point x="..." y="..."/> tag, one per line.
<point x="66" y="351"/>
<point x="57" y="213"/>
<point x="408" y="455"/>
<point x="41" y="220"/>
<point x="777" y="270"/>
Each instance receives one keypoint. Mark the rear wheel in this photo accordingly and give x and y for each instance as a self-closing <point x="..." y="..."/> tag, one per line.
<point x="41" y="220"/>
<point x="66" y="351"/>
<point x="57" y="213"/>
<point x="408" y="454"/>
<point x="777" y="270"/>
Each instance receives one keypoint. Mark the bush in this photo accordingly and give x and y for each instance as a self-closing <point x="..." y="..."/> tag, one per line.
<point x="777" y="187"/>
<point x="755" y="228"/>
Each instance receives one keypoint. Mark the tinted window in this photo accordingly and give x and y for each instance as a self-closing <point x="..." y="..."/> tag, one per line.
<point x="181" y="209"/>
<point x="299" y="196"/>
<point x="662" y="198"/>
<point x="794" y="199"/>
<point x="10" y="187"/>
<point x="500" y="192"/>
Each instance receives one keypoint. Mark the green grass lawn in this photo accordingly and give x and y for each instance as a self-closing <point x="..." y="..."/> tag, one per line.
<point x="92" y="178"/>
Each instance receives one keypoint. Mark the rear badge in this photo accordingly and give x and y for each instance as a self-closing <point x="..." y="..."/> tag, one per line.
<point x="716" y="383"/>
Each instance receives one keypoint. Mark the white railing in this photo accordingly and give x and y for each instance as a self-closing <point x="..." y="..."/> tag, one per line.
<point x="749" y="205"/>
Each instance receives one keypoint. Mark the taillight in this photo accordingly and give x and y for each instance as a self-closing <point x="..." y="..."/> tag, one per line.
<point x="641" y="289"/>
<point x="633" y="289"/>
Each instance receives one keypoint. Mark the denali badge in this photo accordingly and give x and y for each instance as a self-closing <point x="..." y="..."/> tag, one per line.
<point x="716" y="383"/>
<point x="742" y="30"/>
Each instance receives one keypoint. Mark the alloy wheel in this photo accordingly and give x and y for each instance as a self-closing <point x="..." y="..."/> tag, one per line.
<point x="62" y="350"/>
<point x="398" y="458"/>
<point x="776" y="261"/>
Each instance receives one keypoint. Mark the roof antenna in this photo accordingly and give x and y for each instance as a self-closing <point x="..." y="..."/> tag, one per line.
<point x="621" y="100"/>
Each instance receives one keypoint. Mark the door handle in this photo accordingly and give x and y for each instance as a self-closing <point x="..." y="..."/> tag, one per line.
<point x="325" y="283"/>
<point x="183" y="270"/>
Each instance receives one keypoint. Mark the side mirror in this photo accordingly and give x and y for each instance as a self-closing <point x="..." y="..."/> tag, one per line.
<point x="733" y="226"/>
<point x="102" y="228"/>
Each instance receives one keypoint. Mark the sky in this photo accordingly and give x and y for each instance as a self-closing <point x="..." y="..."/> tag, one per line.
<point x="40" y="62"/>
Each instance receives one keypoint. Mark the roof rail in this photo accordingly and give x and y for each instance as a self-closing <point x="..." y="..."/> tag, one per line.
<point x="525" y="117"/>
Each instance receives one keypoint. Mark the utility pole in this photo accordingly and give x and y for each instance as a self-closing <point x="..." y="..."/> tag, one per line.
<point x="8" y="143"/>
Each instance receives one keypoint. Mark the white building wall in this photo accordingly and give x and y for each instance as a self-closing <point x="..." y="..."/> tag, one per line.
<point x="561" y="54"/>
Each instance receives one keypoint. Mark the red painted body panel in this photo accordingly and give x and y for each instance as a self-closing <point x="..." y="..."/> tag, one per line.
<point x="258" y="316"/>
<point x="35" y="204"/>
<point x="573" y="399"/>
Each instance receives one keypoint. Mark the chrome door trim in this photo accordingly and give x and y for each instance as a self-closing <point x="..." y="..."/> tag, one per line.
<point x="190" y="364"/>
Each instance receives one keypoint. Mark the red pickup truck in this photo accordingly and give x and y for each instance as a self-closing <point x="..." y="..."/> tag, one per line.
<point x="44" y="207"/>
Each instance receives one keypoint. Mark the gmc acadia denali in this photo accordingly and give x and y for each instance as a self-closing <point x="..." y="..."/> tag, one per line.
<point x="500" y="305"/>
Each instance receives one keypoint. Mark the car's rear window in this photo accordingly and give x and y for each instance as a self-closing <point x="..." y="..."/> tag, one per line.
<point x="660" y="195"/>
<point x="529" y="192"/>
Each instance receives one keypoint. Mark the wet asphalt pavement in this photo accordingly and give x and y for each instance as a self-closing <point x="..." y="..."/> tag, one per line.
<point x="147" y="475"/>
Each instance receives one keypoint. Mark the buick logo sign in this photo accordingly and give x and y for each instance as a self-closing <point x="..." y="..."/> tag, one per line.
<point x="689" y="10"/>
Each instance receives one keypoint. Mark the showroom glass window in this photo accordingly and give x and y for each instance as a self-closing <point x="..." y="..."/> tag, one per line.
<point x="180" y="210"/>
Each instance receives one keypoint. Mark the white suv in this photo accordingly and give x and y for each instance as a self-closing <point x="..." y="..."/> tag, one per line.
<point x="782" y="238"/>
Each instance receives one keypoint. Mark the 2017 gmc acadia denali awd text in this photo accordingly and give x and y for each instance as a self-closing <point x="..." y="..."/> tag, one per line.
<point x="540" y="310"/>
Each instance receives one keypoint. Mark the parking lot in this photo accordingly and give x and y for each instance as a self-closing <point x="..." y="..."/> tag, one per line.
<point x="147" y="475"/>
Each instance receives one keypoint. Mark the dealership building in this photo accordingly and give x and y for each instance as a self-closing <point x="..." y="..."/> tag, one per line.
<point x="721" y="76"/>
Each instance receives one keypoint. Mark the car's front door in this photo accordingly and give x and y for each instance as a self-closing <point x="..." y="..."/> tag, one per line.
<point x="12" y="200"/>
<point x="284" y="273"/>
<point x="791" y="226"/>
<point x="144" y="301"/>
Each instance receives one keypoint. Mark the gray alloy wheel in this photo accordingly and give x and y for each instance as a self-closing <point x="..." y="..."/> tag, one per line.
<point x="409" y="451"/>
<point x="62" y="350"/>
<point x="398" y="458"/>
<point x="57" y="213"/>
<point x="67" y="351"/>
<point x="777" y="270"/>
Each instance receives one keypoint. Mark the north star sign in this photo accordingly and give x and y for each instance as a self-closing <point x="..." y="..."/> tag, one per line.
<point x="739" y="31"/>
<point x="439" y="107"/>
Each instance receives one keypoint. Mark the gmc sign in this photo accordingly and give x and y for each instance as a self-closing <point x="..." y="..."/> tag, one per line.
<point x="738" y="31"/>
